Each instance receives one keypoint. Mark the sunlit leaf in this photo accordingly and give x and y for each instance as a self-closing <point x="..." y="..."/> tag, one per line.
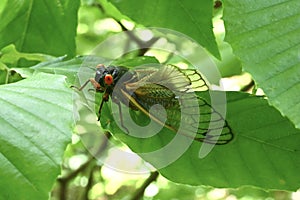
<point x="10" y="56"/>
<point x="265" y="36"/>
<point x="193" y="18"/>
<point x="36" y="118"/>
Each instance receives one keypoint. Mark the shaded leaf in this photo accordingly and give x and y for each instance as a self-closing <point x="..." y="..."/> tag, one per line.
<point x="40" y="26"/>
<point x="261" y="154"/>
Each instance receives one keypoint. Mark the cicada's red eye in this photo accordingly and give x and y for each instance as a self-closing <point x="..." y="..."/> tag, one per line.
<point x="108" y="79"/>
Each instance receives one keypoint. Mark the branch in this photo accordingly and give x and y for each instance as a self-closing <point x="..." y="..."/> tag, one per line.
<point x="143" y="46"/>
<point x="140" y="192"/>
<point x="90" y="181"/>
<point x="64" y="181"/>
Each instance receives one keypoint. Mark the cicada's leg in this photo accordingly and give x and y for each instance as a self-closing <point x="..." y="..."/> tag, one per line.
<point x="121" y="116"/>
<point x="94" y="83"/>
<point x="100" y="108"/>
<point x="81" y="87"/>
<point x="105" y="98"/>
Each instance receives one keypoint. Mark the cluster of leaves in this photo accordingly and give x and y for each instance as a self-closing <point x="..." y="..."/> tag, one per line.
<point x="38" y="49"/>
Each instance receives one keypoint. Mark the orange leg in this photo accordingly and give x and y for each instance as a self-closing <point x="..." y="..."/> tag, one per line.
<point x="96" y="85"/>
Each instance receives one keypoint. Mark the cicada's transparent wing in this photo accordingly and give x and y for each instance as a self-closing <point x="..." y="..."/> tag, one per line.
<point x="198" y="83"/>
<point x="211" y="127"/>
<point x="173" y="88"/>
<point x="164" y="85"/>
<point x="209" y="124"/>
<point x="169" y="76"/>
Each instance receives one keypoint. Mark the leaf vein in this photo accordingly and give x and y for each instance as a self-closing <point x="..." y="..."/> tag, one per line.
<point x="33" y="115"/>
<point x="20" y="172"/>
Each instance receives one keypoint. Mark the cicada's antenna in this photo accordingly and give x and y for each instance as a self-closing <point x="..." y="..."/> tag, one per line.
<point x="92" y="68"/>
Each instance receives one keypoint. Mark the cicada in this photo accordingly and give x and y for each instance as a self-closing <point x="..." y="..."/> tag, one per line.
<point x="168" y="86"/>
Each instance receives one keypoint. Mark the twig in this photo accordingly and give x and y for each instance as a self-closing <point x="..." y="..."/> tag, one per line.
<point x="143" y="46"/>
<point x="90" y="182"/>
<point x="140" y="192"/>
<point x="64" y="181"/>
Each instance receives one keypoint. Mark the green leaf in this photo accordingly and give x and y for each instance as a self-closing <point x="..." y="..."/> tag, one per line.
<point x="63" y="66"/>
<point x="230" y="65"/>
<point x="265" y="36"/>
<point x="265" y="151"/>
<point x="82" y="65"/>
<point x="40" y="26"/>
<point x="135" y="62"/>
<point x="10" y="56"/>
<point x="36" y="122"/>
<point x="190" y="17"/>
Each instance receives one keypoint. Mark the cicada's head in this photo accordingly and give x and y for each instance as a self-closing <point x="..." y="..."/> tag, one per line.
<point x="107" y="77"/>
